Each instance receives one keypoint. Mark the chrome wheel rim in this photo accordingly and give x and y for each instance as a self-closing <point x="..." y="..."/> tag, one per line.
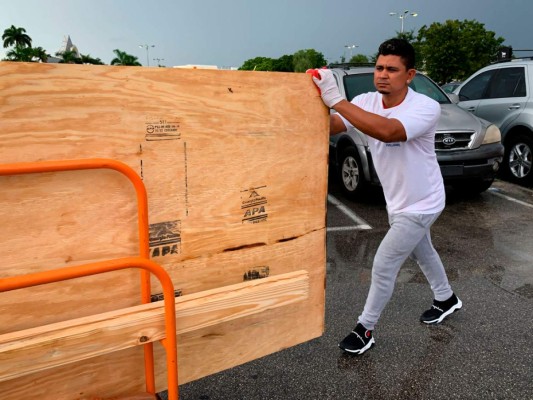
<point x="520" y="160"/>
<point x="350" y="173"/>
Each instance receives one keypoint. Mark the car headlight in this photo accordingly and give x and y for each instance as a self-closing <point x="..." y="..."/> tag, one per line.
<point x="492" y="135"/>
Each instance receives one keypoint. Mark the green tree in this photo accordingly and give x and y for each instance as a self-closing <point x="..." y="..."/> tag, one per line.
<point x="258" y="64"/>
<point x="87" y="59"/>
<point x="23" y="54"/>
<point x="68" y="57"/>
<point x="407" y="35"/>
<point x="300" y="61"/>
<point x="283" y="64"/>
<point x="27" y="54"/>
<point x="17" y="37"/>
<point x="455" y="49"/>
<point x="359" y="59"/>
<point x="39" y="54"/>
<point x="123" y="58"/>
<point x="306" y="59"/>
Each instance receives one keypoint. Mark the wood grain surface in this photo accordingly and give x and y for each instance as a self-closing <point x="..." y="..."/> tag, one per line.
<point x="235" y="166"/>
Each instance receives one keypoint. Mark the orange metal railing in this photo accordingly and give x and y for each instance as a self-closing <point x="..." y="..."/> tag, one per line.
<point x="143" y="261"/>
<point x="61" y="274"/>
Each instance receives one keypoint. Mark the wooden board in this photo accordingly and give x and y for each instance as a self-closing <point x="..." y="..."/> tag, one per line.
<point x="235" y="165"/>
<point x="26" y="352"/>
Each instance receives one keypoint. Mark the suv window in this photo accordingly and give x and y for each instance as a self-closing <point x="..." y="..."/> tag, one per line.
<point x="357" y="84"/>
<point x="495" y="84"/>
<point x="422" y="84"/>
<point x="507" y="82"/>
<point x="475" y="89"/>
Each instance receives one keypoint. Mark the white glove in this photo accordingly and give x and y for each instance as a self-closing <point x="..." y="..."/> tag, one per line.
<point x="328" y="87"/>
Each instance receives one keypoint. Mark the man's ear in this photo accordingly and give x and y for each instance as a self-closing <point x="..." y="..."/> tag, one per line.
<point x="410" y="75"/>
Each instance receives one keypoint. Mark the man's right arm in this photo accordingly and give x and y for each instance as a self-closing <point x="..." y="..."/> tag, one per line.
<point x="381" y="128"/>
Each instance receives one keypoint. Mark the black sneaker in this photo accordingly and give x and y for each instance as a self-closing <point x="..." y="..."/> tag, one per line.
<point x="440" y="310"/>
<point x="358" y="341"/>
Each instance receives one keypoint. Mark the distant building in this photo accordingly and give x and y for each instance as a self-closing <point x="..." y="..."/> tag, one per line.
<point x="53" y="60"/>
<point x="66" y="46"/>
<point x="69" y="46"/>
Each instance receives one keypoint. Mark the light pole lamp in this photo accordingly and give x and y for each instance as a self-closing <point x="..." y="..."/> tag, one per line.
<point x="147" y="46"/>
<point x="351" y="47"/>
<point x="402" y="15"/>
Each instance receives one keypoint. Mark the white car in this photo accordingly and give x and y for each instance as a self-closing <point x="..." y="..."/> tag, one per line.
<point x="501" y="93"/>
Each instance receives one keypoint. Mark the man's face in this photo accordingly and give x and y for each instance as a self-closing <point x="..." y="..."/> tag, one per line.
<point x="391" y="76"/>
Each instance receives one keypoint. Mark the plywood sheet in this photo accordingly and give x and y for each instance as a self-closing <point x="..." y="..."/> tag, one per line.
<point x="235" y="165"/>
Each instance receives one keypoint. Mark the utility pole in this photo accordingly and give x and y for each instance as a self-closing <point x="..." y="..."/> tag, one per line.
<point x="147" y="46"/>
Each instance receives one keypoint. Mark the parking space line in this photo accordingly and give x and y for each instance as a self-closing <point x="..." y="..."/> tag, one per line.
<point x="497" y="193"/>
<point x="361" y="224"/>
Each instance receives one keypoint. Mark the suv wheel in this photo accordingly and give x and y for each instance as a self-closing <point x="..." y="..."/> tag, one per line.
<point x="518" y="159"/>
<point x="351" y="172"/>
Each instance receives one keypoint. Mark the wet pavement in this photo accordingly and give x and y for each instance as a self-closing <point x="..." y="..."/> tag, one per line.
<point x="484" y="351"/>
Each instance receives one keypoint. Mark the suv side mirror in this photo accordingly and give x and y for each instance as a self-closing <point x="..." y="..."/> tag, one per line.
<point x="453" y="97"/>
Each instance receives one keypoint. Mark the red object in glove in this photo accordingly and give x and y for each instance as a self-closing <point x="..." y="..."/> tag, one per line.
<point x="314" y="73"/>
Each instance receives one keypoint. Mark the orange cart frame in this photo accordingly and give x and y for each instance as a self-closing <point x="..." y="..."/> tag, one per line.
<point x="143" y="261"/>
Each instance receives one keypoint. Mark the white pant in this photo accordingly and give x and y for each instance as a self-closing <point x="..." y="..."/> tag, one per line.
<point x="408" y="236"/>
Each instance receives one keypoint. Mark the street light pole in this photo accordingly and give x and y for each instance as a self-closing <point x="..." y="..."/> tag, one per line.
<point x="147" y="46"/>
<point x="402" y="15"/>
<point x="159" y="61"/>
<point x="351" y="47"/>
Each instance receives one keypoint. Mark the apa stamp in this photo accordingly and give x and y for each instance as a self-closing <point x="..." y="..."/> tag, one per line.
<point x="165" y="238"/>
<point x="256" y="273"/>
<point x="253" y="205"/>
<point x="162" y="129"/>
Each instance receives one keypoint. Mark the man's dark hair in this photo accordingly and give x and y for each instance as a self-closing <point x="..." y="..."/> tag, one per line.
<point x="399" y="47"/>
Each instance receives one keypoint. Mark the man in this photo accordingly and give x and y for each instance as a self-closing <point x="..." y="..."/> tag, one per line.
<point x="400" y="124"/>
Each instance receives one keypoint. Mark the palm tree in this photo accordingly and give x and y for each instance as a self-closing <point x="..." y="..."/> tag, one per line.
<point x="27" y="54"/>
<point x="123" y="58"/>
<point x="39" y="54"/>
<point x="17" y="37"/>
<point x="68" y="57"/>
<point x="87" y="59"/>
<point x="24" y="54"/>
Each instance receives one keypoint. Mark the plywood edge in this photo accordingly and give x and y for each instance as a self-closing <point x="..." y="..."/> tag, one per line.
<point x="137" y="396"/>
<point x="36" y="349"/>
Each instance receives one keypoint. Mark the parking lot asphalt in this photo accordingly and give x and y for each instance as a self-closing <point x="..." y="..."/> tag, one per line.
<point x="484" y="351"/>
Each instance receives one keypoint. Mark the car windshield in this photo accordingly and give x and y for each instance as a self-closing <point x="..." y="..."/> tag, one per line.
<point x="357" y="84"/>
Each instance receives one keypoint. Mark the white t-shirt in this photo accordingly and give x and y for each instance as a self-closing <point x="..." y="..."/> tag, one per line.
<point x="408" y="171"/>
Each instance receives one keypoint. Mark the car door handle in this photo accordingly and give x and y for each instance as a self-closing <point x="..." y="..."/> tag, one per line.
<point x="471" y="109"/>
<point x="514" y="107"/>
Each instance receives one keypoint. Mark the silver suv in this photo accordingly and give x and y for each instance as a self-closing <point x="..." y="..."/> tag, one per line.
<point x="501" y="93"/>
<point x="469" y="149"/>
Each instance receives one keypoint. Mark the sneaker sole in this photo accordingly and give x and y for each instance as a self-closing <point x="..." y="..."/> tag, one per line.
<point x="360" y="351"/>
<point x="444" y="315"/>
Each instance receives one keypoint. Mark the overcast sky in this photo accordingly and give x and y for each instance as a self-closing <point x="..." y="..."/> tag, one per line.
<point x="228" y="32"/>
